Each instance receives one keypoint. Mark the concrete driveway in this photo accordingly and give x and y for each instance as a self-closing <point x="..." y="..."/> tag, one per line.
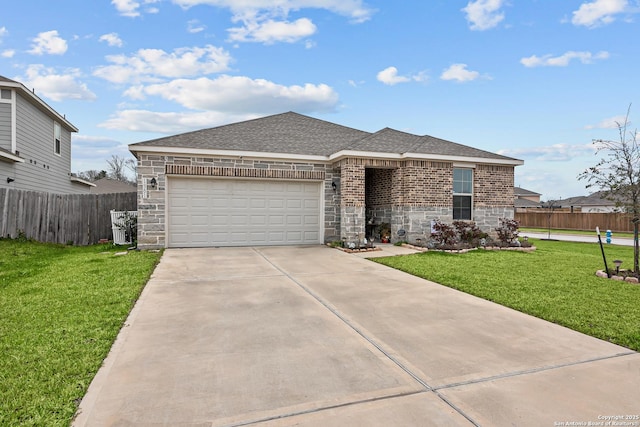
<point x="311" y="336"/>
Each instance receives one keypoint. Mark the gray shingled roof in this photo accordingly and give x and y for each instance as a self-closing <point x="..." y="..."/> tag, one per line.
<point x="289" y="133"/>
<point x="108" y="185"/>
<point x="519" y="191"/>
<point x="526" y="203"/>
<point x="293" y="133"/>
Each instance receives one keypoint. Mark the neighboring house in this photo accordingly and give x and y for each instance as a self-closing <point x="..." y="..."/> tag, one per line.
<point x="293" y="179"/>
<point x="35" y="143"/>
<point x="108" y="185"/>
<point x="593" y="203"/>
<point x="525" y="199"/>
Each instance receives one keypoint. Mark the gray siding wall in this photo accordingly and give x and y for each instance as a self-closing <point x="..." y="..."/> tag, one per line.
<point x="43" y="170"/>
<point x="5" y="126"/>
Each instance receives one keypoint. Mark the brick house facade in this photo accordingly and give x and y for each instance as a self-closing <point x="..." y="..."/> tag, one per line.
<point x="358" y="187"/>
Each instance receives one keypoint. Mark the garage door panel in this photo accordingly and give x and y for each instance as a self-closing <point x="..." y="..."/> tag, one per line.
<point x="311" y="220"/>
<point x="257" y="203"/>
<point x="276" y="203"/>
<point x="294" y="220"/>
<point x="258" y="220"/>
<point x="233" y="212"/>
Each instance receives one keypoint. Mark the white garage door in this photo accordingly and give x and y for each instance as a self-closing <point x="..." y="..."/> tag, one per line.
<point x="233" y="212"/>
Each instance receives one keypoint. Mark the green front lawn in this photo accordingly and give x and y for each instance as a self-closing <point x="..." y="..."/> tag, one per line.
<point x="61" y="308"/>
<point x="557" y="283"/>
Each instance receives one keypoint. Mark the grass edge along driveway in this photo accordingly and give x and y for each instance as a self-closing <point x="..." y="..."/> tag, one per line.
<point x="61" y="308"/>
<point x="556" y="283"/>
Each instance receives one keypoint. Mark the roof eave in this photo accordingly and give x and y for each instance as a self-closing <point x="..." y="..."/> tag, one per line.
<point x="420" y="156"/>
<point x="223" y="153"/>
<point x="9" y="157"/>
<point x="81" y="181"/>
<point x="320" y="158"/>
<point x="22" y="89"/>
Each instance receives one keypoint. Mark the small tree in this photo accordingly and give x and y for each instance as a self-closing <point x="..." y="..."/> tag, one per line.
<point x="617" y="175"/>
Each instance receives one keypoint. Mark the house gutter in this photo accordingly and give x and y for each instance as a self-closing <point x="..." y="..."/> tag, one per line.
<point x="320" y="158"/>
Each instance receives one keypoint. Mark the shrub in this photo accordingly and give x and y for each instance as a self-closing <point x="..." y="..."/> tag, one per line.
<point x="468" y="232"/>
<point x="444" y="235"/>
<point x="508" y="231"/>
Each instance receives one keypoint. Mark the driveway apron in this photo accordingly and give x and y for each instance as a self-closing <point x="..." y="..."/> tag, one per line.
<point x="311" y="336"/>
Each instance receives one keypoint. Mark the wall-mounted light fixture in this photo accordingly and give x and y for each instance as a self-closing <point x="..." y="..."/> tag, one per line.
<point x="334" y="186"/>
<point x="153" y="183"/>
<point x="10" y="180"/>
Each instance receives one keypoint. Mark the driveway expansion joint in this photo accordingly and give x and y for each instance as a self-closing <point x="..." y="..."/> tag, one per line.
<point x="530" y="371"/>
<point x="325" y="408"/>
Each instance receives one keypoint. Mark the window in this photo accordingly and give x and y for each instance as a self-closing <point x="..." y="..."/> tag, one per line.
<point x="56" y="138"/>
<point x="462" y="193"/>
<point x="5" y="94"/>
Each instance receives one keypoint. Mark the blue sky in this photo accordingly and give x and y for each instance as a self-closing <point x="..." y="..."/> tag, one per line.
<point x="533" y="79"/>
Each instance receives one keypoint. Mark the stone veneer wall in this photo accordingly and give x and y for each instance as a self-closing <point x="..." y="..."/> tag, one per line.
<point x="152" y="203"/>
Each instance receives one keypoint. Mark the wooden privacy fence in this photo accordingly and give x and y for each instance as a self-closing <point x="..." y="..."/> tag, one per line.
<point x="81" y="219"/>
<point x="575" y="220"/>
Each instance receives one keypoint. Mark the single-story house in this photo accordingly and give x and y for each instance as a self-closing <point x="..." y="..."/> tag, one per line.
<point x="593" y="203"/>
<point x="293" y="179"/>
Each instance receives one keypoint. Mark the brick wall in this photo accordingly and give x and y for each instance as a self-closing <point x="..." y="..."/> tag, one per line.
<point x="493" y="186"/>
<point x="426" y="183"/>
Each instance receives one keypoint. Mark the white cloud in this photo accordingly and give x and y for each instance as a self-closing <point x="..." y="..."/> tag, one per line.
<point x="266" y="21"/>
<point x="598" y="12"/>
<point x="3" y="32"/>
<point x="130" y="8"/>
<point x="484" y="14"/>
<point x="459" y="73"/>
<point x="610" y="123"/>
<point x="171" y="123"/>
<point x="48" y="42"/>
<point x="194" y="26"/>
<point x="238" y="94"/>
<point x="150" y="65"/>
<point x="57" y="87"/>
<point x="563" y="60"/>
<point x="356" y="10"/>
<point x="217" y="101"/>
<point x="112" y="39"/>
<point x="270" y="31"/>
<point x="389" y="76"/>
<point x="551" y="153"/>
<point x="9" y="53"/>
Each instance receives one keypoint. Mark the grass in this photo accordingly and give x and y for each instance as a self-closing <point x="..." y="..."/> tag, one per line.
<point x="61" y="308"/>
<point x="557" y="283"/>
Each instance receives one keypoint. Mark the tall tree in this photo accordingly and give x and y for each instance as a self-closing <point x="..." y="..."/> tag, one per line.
<point x="118" y="166"/>
<point x="617" y="175"/>
<point x="92" y="175"/>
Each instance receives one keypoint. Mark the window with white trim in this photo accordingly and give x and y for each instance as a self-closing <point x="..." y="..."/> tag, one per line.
<point x="462" y="193"/>
<point x="57" y="135"/>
